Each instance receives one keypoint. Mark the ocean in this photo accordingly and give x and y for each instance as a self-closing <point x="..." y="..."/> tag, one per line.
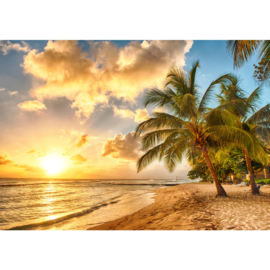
<point x="68" y="204"/>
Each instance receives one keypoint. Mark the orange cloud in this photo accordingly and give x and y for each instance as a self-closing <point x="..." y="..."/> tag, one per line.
<point x="79" y="136"/>
<point x="31" y="168"/>
<point x="78" y="159"/>
<point x="83" y="140"/>
<point x="88" y="79"/>
<point x="32" y="105"/>
<point x="122" y="147"/>
<point x="36" y="153"/>
<point x="4" y="160"/>
<point x="141" y="115"/>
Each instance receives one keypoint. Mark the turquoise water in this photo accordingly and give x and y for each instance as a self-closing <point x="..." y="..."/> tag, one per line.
<point x="66" y="204"/>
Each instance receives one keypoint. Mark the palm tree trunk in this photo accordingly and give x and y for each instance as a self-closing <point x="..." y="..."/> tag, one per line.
<point x="254" y="189"/>
<point x="266" y="172"/>
<point x="220" y="189"/>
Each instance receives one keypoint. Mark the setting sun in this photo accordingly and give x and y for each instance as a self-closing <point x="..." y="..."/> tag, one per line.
<point x="53" y="164"/>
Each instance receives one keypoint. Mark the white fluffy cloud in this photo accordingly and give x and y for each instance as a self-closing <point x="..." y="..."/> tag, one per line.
<point x="122" y="147"/>
<point x="7" y="46"/>
<point x="89" y="78"/>
<point x="32" y="105"/>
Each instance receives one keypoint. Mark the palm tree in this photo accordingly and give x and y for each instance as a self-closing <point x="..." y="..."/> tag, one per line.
<point x="247" y="117"/>
<point x="184" y="127"/>
<point x="243" y="49"/>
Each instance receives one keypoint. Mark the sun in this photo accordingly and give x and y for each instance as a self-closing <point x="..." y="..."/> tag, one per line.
<point x="53" y="163"/>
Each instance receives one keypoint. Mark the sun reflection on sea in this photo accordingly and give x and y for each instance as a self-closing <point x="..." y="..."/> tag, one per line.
<point x="48" y="201"/>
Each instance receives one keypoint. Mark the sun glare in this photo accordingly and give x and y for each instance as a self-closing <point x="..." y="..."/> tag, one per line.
<point x="53" y="164"/>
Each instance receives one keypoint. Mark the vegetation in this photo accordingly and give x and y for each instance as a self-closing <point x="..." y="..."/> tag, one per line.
<point x="243" y="49"/>
<point x="229" y="163"/>
<point x="263" y="181"/>
<point x="188" y="127"/>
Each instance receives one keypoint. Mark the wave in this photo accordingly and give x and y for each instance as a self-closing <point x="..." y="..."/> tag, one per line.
<point x="63" y="218"/>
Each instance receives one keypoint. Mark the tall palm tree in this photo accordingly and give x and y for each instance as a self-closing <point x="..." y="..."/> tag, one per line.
<point x="248" y="118"/>
<point x="184" y="127"/>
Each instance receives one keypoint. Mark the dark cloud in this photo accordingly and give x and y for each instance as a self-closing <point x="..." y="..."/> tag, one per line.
<point x="122" y="147"/>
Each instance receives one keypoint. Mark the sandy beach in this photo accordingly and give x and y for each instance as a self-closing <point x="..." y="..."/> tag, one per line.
<point x="195" y="207"/>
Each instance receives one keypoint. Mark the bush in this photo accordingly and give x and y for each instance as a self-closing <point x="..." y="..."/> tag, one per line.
<point x="247" y="181"/>
<point x="263" y="181"/>
<point x="259" y="181"/>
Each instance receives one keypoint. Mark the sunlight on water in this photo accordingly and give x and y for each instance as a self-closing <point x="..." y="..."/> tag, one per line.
<point x="70" y="204"/>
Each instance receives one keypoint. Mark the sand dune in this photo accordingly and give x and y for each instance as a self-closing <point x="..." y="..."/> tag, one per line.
<point x="194" y="207"/>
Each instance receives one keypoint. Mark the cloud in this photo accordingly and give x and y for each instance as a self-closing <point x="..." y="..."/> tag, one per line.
<point x="31" y="168"/>
<point x="138" y="116"/>
<point x="79" y="136"/>
<point x="122" y="147"/>
<point x="2" y="89"/>
<point x="73" y="133"/>
<point x="4" y="160"/>
<point x="13" y="93"/>
<point x="32" y="105"/>
<point x="124" y="113"/>
<point x="78" y="159"/>
<point x="36" y="153"/>
<point x="141" y="115"/>
<point x="7" y="46"/>
<point x="90" y="78"/>
<point x="83" y="140"/>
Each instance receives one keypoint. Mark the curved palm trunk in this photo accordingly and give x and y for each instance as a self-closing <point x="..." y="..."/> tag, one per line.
<point x="254" y="189"/>
<point x="220" y="189"/>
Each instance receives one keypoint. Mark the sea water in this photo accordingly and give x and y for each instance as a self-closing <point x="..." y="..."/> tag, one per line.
<point x="68" y="204"/>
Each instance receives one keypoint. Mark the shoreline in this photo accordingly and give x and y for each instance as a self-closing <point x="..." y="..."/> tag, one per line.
<point x="194" y="207"/>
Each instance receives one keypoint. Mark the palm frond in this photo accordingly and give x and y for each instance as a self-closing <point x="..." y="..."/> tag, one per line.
<point x="209" y="91"/>
<point x="228" y="135"/>
<point x="192" y="75"/>
<point x="262" y="114"/>
<point x="148" y="157"/>
<point x="158" y="123"/>
<point x="241" y="50"/>
<point x="155" y="137"/>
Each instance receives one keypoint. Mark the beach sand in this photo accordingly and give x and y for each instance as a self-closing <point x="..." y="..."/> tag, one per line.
<point x="195" y="207"/>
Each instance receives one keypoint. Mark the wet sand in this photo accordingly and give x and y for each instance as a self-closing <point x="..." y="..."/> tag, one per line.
<point x="194" y="207"/>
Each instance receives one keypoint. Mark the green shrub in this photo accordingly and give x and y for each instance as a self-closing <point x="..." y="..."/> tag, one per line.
<point x="263" y="181"/>
<point x="247" y="181"/>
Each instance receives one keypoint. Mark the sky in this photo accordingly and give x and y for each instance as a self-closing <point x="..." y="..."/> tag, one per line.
<point x="69" y="108"/>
